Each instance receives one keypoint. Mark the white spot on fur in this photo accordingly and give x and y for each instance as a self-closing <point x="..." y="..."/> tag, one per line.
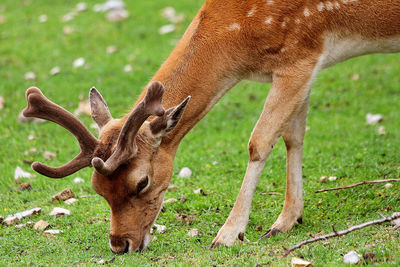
<point x="329" y="6"/>
<point x="297" y="21"/>
<point x="268" y="20"/>
<point x="234" y="26"/>
<point x="306" y="12"/>
<point x="320" y="6"/>
<point x="337" y="5"/>
<point x="270" y="2"/>
<point x="251" y="12"/>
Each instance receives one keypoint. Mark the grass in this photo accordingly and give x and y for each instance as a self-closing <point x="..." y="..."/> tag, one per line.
<point x="339" y="143"/>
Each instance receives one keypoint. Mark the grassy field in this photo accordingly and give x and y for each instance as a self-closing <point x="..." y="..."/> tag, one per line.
<point x="338" y="143"/>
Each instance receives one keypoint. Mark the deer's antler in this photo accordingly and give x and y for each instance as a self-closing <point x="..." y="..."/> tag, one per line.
<point x="126" y="146"/>
<point x="41" y="107"/>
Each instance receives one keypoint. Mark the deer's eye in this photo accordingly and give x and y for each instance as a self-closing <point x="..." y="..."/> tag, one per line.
<point x="142" y="184"/>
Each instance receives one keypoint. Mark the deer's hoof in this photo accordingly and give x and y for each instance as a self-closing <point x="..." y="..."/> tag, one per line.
<point x="271" y="232"/>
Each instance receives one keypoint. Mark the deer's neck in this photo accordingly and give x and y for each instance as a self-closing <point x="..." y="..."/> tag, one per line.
<point x="197" y="68"/>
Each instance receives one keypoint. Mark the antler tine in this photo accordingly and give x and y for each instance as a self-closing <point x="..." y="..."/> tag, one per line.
<point x="41" y="107"/>
<point x="126" y="145"/>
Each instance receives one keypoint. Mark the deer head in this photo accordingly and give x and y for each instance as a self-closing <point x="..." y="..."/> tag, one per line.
<point x="131" y="171"/>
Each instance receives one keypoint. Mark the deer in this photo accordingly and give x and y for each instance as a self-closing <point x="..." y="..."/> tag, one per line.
<point x="285" y="42"/>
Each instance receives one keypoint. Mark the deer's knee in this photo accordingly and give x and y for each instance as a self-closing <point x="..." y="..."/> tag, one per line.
<point x="255" y="151"/>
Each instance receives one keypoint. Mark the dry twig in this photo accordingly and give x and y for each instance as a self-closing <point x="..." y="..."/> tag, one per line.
<point x="340" y="233"/>
<point x="357" y="184"/>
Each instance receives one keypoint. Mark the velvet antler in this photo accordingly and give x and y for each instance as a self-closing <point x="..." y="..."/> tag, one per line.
<point x="126" y="145"/>
<point x="41" y="107"/>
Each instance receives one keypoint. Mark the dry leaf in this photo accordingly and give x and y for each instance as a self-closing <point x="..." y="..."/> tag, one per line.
<point x="69" y="16"/>
<point x="70" y="201"/>
<point x="20" y="173"/>
<point x="215" y="163"/>
<point x="161" y="229"/>
<point x="111" y="49"/>
<point x="30" y="76"/>
<point x="332" y="178"/>
<point x="170" y="14"/>
<point x="297" y="262"/>
<point x="23" y="119"/>
<point x="83" y="108"/>
<point x="117" y="15"/>
<point x="200" y="191"/>
<point x="110" y="4"/>
<point x="172" y="188"/>
<point x="185" y="173"/>
<point x="20" y="226"/>
<point x="381" y="130"/>
<point x="193" y="232"/>
<point x="54" y="71"/>
<point x="67" y="30"/>
<point x="352" y="257"/>
<point x="43" y="18"/>
<point x="57" y="211"/>
<point x="80" y="7"/>
<point x="79" y="62"/>
<point x="25" y="186"/>
<point x="78" y="180"/>
<point x="182" y="218"/>
<point x="128" y="68"/>
<point x="49" y="155"/>
<point x="14" y="218"/>
<point x="182" y="198"/>
<point x="41" y="225"/>
<point x="63" y="195"/>
<point x="170" y="201"/>
<point x="388" y="185"/>
<point x="167" y="29"/>
<point x="355" y="77"/>
<point x="373" y="118"/>
<point x="2" y="102"/>
<point x="52" y="232"/>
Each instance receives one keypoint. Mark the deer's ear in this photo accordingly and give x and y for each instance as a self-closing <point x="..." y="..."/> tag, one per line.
<point x="98" y="108"/>
<point x="160" y="126"/>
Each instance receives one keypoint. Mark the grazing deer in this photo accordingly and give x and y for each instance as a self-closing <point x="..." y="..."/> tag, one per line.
<point x="286" y="42"/>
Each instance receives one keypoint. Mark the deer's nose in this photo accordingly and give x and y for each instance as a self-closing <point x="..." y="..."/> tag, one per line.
<point x="119" y="245"/>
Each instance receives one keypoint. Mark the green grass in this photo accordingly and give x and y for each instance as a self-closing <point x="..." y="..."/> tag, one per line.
<point x="339" y="143"/>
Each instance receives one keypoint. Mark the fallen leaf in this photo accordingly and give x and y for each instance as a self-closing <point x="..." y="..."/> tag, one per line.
<point x="83" y="108"/>
<point x="355" y="77"/>
<point x="170" y="201"/>
<point x="49" y="155"/>
<point x="54" y="71"/>
<point x="2" y="102"/>
<point x="80" y="7"/>
<point x="182" y="218"/>
<point x="25" y="186"/>
<point x="20" y="226"/>
<point x="185" y="173"/>
<point x="70" y="201"/>
<point x="332" y="178"/>
<point x="183" y="198"/>
<point x="215" y="163"/>
<point x="193" y="232"/>
<point x="172" y="188"/>
<point x="323" y="179"/>
<point x="167" y="29"/>
<point x="3" y="19"/>
<point x="108" y="5"/>
<point x="20" y="173"/>
<point x="352" y="257"/>
<point x="63" y="195"/>
<point x="30" y="76"/>
<point x="170" y="14"/>
<point x="69" y="16"/>
<point x="111" y="49"/>
<point x="43" y="18"/>
<point x="161" y="229"/>
<point x="388" y="185"/>
<point x="396" y="223"/>
<point x="200" y="191"/>
<point x="117" y="15"/>
<point x="297" y="262"/>
<point x="373" y="118"/>
<point x="41" y="225"/>
<point x="381" y="130"/>
<point x="79" y="62"/>
<point x="14" y="218"/>
<point x="128" y="68"/>
<point x="31" y="151"/>
<point x="57" y="211"/>
<point x="31" y="137"/>
<point x="52" y="232"/>
<point x="67" y="30"/>
<point x="78" y="180"/>
<point x="23" y="119"/>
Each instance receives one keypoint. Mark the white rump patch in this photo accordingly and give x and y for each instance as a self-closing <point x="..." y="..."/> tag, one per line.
<point x="251" y="12"/>
<point x="268" y="20"/>
<point x="234" y="26"/>
<point x="320" y="6"/>
<point x="307" y="12"/>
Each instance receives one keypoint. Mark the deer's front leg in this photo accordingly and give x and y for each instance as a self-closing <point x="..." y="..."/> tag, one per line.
<point x="289" y="93"/>
<point x="293" y="206"/>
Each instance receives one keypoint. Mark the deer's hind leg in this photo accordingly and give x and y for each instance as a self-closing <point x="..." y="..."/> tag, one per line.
<point x="288" y="95"/>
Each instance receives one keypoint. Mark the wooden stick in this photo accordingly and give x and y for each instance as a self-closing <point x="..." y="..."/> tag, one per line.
<point x="357" y="184"/>
<point x="339" y="233"/>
